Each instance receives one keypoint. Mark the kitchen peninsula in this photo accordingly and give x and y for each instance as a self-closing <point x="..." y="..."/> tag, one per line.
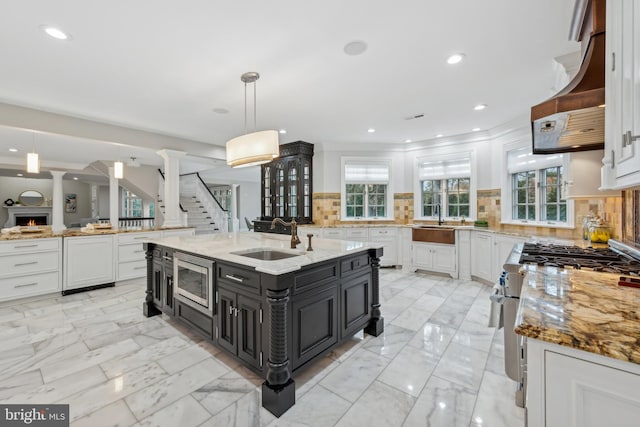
<point x="273" y="308"/>
<point x="37" y="261"/>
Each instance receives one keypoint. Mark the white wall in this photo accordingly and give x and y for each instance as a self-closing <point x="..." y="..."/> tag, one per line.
<point x="11" y="187"/>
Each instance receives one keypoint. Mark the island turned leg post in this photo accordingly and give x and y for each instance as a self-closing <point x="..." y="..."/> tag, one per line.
<point x="278" y="391"/>
<point x="148" y="308"/>
<point x="376" y="324"/>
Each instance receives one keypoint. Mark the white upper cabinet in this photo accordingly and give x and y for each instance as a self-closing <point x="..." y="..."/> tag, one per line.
<point x="622" y="93"/>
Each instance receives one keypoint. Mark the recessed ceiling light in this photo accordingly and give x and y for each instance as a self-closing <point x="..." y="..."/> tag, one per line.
<point x="407" y="140"/>
<point x="75" y="178"/>
<point x="455" y="58"/>
<point x="356" y="47"/>
<point x="283" y="131"/>
<point x="221" y="111"/>
<point x="480" y="107"/>
<point x="475" y="129"/>
<point x="371" y="130"/>
<point x="19" y="174"/>
<point x="13" y="150"/>
<point x="54" y="32"/>
<point x="439" y="135"/>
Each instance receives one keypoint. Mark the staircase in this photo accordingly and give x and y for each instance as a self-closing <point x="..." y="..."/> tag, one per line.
<point x="197" y="215"/>
<point x="200" y="209"/>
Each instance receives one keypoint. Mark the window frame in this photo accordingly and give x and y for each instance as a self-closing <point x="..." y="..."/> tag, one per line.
<point x="388" y="199"/>
<point x="507" y="191"/>
<point x="444" y="205"/>
<point x="126" y="209"/>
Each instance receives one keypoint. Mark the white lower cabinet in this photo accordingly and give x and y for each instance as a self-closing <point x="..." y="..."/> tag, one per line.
<point x="132" y="261"/>
<point x="489" y="251"/>
<point x="388" y="236"/>
<point x="435" y="257"/>
<point x="568" y="387"/>
<point x="30" y="267"/>
<point x="89" y="261"/>
<point x="481" y="259"/>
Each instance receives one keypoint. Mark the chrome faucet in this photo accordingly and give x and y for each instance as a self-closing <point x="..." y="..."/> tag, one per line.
<point x="295" y="240"/>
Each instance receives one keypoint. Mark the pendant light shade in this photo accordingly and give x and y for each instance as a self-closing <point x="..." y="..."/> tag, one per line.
<point x="252" y="148"/>
<point x="33" y="163"/>
<point x="118" y="170"/>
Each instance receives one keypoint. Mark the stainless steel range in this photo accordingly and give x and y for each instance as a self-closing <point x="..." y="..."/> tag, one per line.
<point x="617" y="258"/>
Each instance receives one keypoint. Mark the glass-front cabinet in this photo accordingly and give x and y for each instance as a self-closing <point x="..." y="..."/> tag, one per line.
<point x="287" y="186"/>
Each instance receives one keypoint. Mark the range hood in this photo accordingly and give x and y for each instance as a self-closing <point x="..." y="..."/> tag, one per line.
<point x="573" y="120"/>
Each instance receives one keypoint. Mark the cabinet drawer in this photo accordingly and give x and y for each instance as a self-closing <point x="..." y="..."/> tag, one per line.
<point x="137" y="237"/>
<point x="11" y="265"/>
<point x="239" y="277"/>
<point x="383" y="233"/>
<point x="200" y="321"/>
<point x="132" y="269"/>
<point x="333" y="233"/>
<point x="360" y="233"/>
<point x="29" y="245"/>
<point x="316" y="278"/>
<point x="33" y="284"/>
<point x="354" y="265"/>
<point x="132" y="252"/>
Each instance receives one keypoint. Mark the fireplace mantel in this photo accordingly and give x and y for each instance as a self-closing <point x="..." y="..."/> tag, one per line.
<point x="22" y="211"/>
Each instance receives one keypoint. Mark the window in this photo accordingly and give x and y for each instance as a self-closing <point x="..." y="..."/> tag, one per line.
<point x="536" y="188"/>
<point x="445" y="186"/>
<point x="131" y="205"/>
<point x="554" y="207"/>
<point x="366" y="193"/>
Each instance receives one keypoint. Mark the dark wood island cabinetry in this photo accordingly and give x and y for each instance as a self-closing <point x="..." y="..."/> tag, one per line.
<point x="275" y="324"/>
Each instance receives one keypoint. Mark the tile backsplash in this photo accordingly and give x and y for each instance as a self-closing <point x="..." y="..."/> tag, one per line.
<point x="631" y="216"/>
<point x="326" y="212"/>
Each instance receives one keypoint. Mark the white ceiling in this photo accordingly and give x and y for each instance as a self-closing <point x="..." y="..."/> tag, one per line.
<point x="163" y="66"/>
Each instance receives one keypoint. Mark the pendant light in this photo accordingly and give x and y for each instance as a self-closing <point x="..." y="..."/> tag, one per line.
<point x="254" y="148"/>
<point x="118" y="170"/>
<point x="33" y="160"/>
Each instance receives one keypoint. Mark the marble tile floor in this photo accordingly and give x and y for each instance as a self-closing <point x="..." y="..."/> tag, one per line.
<point x="437" y="364"/>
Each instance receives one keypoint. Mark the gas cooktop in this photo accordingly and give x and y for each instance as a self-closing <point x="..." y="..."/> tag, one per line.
<point x="594" y="259"/>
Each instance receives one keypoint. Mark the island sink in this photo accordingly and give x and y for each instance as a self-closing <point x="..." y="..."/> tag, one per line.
<point x="265" y="254"/>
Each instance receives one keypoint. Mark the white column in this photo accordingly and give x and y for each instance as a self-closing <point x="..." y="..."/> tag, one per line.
<point x="114" y="201"/>
<point x="57" y="211"/>
<point x="235" y="214"/>
<point x="172" y="216"/>
<point x="94" y="200"/>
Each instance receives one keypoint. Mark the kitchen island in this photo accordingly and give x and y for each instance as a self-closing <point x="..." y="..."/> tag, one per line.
<point x="583" y="347"/>
<point x="274" y="309"/>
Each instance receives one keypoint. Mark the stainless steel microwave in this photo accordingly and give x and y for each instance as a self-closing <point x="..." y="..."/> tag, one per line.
<point x="193" y="277"/>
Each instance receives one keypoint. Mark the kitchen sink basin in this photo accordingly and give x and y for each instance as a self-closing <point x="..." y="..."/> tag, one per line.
<point x="265" y="254"/>
<point x="434" y="234"/>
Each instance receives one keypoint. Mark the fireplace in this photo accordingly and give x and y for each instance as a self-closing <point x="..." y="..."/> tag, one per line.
<point x="31" y="220"/>
<point x="20" y="215"/>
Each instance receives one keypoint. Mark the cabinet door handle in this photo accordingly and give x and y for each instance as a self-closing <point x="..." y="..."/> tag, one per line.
<point x="140" y="268"/>
<point x="140" y="237"/>
<point x="138" y="252"/>
<point x="167" y="258"/>
<point x="231" y="310"/>
<point x="25" y="263"/>
<point x="628" y="138"/>
<point x="25" y="285"/>
<point x="25" y="246"/>
<point x="234" y="278"/>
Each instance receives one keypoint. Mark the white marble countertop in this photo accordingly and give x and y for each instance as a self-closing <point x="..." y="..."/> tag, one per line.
<point x="221" y="246"/>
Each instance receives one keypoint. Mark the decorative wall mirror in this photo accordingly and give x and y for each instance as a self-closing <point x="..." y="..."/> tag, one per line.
<point x="31" y="198"/>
